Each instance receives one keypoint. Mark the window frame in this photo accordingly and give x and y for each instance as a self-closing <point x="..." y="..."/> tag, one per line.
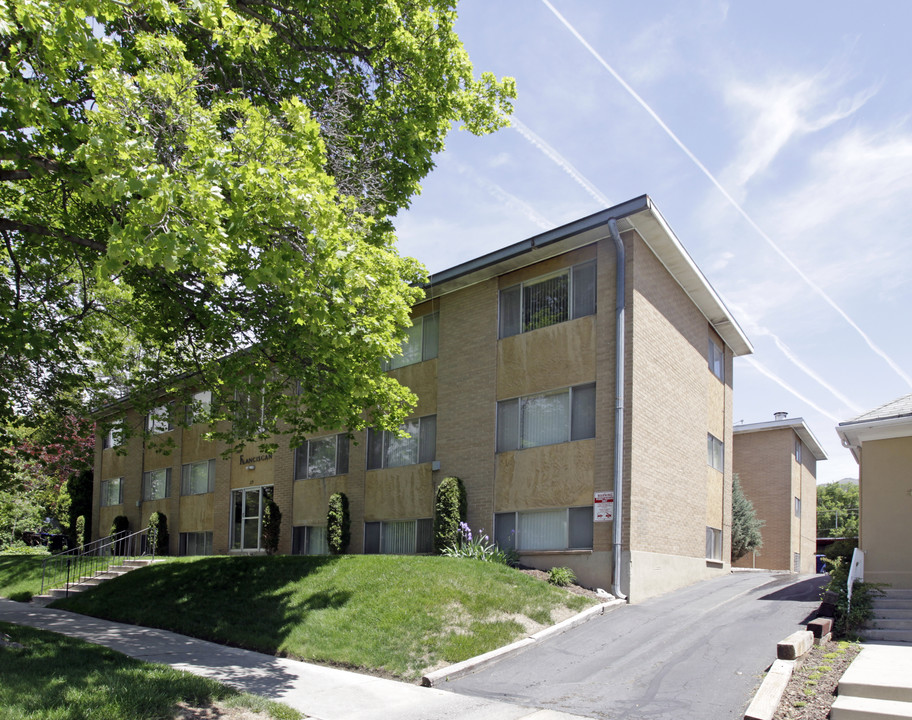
<point x="425" y="351"/>
<point x="147" y="476"/>
<point x="183" y="539"/>
<point x="797" y="507"/>
<point x="186" y="476"/>
<point x="798" y="450"/>
<point x="713" y="544"/>
<point x="105" y="492"/>
<point x="302" y="540"/>
<point x="715" y="452"/>
<point x="341" y="452"/>
<point x="573" y="313"/>
<point x="423" y="533"/>
<point x="158" y="420"/>
<point x="422" y="453"/>
<point x="198" y="401"/>
<point x="510" y="412"/>
<point x="573" y="514"/>
<point x="716" y="359"/>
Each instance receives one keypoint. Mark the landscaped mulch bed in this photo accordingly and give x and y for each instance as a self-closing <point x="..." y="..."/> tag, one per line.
<point x="812" y="689"/>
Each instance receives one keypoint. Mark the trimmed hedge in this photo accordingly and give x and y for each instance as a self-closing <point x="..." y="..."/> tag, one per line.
<point x="158" y="532"/>
<point x="450" y="509"/>
<point x="338" y="524"/>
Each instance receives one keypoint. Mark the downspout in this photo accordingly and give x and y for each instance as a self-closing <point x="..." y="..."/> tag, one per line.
<point x="619" y="365"/>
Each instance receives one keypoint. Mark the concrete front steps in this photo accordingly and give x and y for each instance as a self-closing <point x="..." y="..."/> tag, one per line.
<point x="877" y="685"/>
<point x="892" y="620"/>
<point x="85" y="583"/>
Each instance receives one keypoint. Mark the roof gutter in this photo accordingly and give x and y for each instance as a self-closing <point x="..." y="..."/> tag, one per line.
<point x="619" y="367"/>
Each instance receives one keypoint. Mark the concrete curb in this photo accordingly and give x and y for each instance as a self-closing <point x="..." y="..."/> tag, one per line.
<point x="451" y="672"/>
<point x="769" y="694"/>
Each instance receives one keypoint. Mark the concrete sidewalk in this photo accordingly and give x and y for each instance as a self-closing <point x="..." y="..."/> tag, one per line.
<point x="317" y="691"/>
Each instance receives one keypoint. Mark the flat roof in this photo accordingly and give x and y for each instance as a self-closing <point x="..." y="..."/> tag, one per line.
<point x="639" y="214"/>
<point x="797" y="424"/>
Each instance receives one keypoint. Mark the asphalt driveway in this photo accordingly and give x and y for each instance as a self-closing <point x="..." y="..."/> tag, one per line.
<point x="695" y="653"/>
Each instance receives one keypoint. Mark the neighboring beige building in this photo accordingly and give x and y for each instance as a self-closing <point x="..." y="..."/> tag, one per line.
<point x="513" y="357"/>
<point x="776" y="462"/>
<point x="881" y="441"/>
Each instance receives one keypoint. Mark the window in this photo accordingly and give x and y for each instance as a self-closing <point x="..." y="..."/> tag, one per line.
<point x="713" y="544"/>
<point x="796" y="562"/>
<point x="546" y="419"/>
<point x="797" y="507"/>
<point x="158" y="420"/>
<point x="399" y="537"/>
<point x="247" y="517"/>
<point x="309" y="540"/>
<point x="547" y="300"/>
<point x="716" y="359"/>
<point x="386" y="449"/>
<point x="156" y="484"/>
<point x="112" y="438"/>
<point x="322" y="457"/>
<point x="112" y="492"/>
<point x="797" y="451"/>
<point x="199" y="406"/>
<point x="198" y="478"/>
<point x="420" y="343"/>
<point x="195" y="543"/>
<point x="559" y="529"/>
<point x="715" y="453"/>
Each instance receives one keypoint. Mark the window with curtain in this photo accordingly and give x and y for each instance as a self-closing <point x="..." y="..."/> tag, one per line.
<point x="159" y="420"/>
<point x="309" y="540"/>
<point x="399" y="537"/>
<point x="716" y="359"/>
<point x="156" y="484"/>
<point x="322" y="457"/>
<point x="112" y="438"/>
<point x="420" y="343"/>
<point x="713" y="544"/>
<point x="197" y="410"/>
<point x="567" y="528"/>
<point x="549" y="299"/>
<point x="546" y="418"/>
<point x="112" y="492"/>
<point x="715" y="453"/>
<point x="198" y="477"/>
<point x="195" y="543"/>
<point x="386" y="449"/>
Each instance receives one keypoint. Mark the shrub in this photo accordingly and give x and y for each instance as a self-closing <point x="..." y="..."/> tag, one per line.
<point x="158" y="533"/>
<point x="80" y="531"/>
<point x="20" y="548"/>
<point x="850" y="617"/>
<point x="338" y="524"/>
<point x="272" y="522"/>
<point x="120" y="525"/>
<point x="561" y="576"/>
<point x="449" y="511"/>
<point x="478" y="548"/>
<point x="841" y="548"/>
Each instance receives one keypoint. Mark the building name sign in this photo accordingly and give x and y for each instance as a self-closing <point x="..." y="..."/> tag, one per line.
<point x="256" y="459"/>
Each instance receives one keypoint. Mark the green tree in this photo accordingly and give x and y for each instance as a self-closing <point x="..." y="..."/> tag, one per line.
<point x="206" y="188"/>
<point x="746" y="526"/>
<point x="837" y="510"/>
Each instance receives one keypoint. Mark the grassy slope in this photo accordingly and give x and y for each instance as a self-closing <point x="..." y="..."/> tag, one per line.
<point x="20" y="576"/>
<point x="59" y="678"/>
<point x="398" y="615"/>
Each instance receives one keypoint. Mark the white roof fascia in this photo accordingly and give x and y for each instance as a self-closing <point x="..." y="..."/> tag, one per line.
<point x="853" y="434"/>
<point x="797" y="424"/>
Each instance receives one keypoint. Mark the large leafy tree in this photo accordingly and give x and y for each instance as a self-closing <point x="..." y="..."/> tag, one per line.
<point x="837" y="509"/>
<point x="204" y="189"/>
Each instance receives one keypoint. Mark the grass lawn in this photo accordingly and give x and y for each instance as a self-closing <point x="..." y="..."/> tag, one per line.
<point x="54" y="677"/>
<point x="20" y="576"/>
<point x="397" y="615"/>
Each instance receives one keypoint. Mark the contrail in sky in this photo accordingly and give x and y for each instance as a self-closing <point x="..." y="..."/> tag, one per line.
<point x="523" y="130"/>
<point x="508" y="199"/>
<point x="763" y="370"/>
<point x="734" y="203"/>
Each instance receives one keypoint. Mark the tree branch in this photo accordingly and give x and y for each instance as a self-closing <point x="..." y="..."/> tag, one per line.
<point x="14" y="225"/>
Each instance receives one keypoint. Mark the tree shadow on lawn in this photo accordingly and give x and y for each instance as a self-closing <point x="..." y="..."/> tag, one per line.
<point x="249" y="602"/>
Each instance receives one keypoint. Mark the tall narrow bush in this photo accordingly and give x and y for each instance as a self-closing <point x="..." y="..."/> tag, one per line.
<point x="272" y="523"/>
<point x="158" y="532"/>
<point x="338" y="524"/>
<point x="449" y="510"/>
<point x="80" y="531"/>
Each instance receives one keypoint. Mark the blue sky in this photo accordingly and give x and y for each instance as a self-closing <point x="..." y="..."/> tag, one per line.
<point x="774" y="137"/>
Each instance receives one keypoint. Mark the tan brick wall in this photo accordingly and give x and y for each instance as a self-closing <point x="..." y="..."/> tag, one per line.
<point x="674" y="401"/>
<point x="764" y="463"/>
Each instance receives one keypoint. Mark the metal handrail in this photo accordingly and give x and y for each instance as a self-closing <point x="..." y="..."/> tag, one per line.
<point x="72" y="567"/>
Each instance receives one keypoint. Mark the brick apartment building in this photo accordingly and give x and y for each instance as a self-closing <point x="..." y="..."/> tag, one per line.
<point x="776" y="462"/>
<point x="562" y="386"/>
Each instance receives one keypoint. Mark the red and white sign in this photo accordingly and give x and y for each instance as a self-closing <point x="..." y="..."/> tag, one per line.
<point x="604" y="506"/>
